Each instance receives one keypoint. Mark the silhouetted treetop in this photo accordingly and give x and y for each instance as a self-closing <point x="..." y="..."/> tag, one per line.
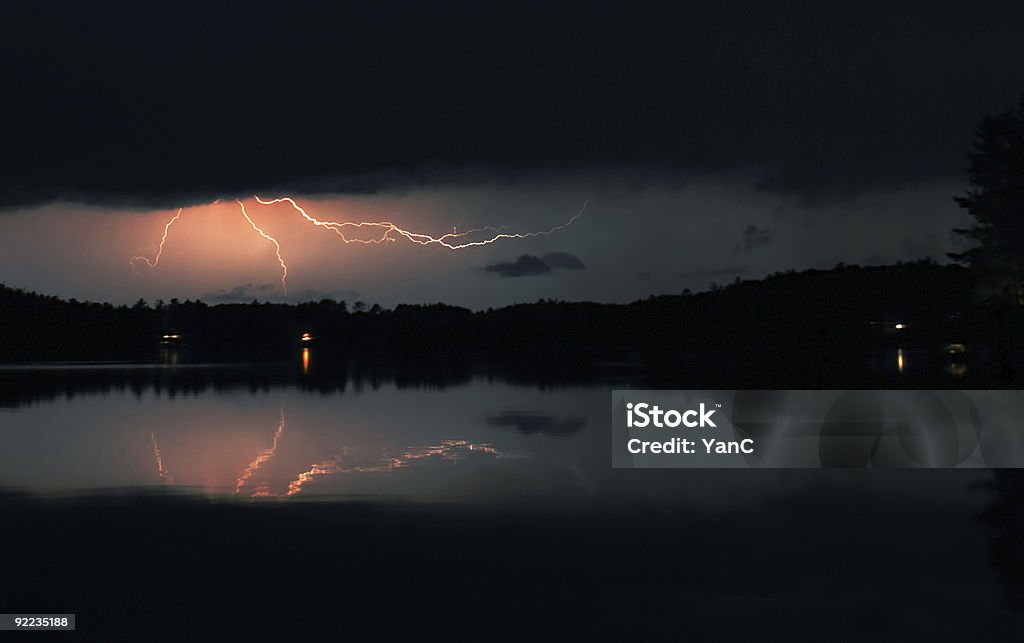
<point x="995" y="199"/>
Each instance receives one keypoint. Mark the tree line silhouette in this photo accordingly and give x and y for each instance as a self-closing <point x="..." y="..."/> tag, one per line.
<point x="795" y="329"/>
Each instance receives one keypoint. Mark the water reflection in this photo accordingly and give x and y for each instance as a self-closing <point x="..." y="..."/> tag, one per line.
<point x="169" y="356"/>
<point x="242" y="433"/>
<point x="957" y="370"/>
<point x="282" y="441"/>
<point x="161" y="472"/>
<point x="526" y="422"/>
<point x="448" y="450"/>
<point x="457" y="437"/>
<point x="265" y="455"/>
<point x="943" y="368"/>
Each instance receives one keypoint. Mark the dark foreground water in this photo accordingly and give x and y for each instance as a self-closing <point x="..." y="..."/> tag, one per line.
<point x="247" y="503"/>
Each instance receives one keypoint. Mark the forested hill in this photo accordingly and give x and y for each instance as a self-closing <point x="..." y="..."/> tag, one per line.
<point x="802" y="318"/>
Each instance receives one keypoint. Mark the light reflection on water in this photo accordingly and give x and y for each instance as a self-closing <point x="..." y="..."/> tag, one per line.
<point x="482" y="443"/>
<point x="463" y="442"/>
<point x="476" y="440"/>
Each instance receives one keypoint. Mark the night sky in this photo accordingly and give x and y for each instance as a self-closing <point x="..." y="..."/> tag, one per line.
<point x="729" y="139"/>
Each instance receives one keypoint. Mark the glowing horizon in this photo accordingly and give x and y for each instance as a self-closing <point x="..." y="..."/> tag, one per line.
<point x="337" y="227"/>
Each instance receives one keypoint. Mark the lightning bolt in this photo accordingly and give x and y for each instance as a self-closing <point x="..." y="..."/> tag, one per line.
<point x="446" y="450"/>
<point x="277" y="246"/>
<point x="160" y="251"/>
<point x="452" y="240"/>
<point x="417" y="237"/>
<point x="163" y="473"/>
<point x="264" y="455"/>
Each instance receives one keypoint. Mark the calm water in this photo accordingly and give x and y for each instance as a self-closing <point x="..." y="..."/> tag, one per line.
<point x="521" y="475"/>
<point x="475" y="441"/>
<point x="276" y="433"/>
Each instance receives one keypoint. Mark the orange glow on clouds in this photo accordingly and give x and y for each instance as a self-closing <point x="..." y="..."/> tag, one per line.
<point x="388" y="233"/>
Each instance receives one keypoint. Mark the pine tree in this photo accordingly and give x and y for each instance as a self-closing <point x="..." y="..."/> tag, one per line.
<point x="995" y="199"/>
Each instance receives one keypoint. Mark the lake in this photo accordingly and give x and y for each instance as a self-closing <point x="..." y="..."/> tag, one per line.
<point x="289" y="431"/>
<point x="479" y="442"/>
<point x="223" y="477"/>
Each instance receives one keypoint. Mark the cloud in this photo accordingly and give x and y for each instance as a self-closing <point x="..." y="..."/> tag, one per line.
<point x="178" y="129"/>
<point x="563" y="261"/>
<point x="311" y="294"/>
<point x="241" y="293"/>
<point x="530" y="423"/>
<point x="245" y="293"/>
<point x="524" y="266"/>
<point x="531" y="265"/>
<point x="755" y="237"/>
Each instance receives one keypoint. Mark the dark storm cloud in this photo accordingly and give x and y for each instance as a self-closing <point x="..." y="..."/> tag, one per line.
<point x="531" y="266"/>
<point x="563" y="261"/>
<point x="245" y="293"/>
<point x="754" y="237"/>
<point x="311" y="294"/>
<point x="242" y="293"/>
<point x="171" y="102"/>
<point x="524" y="266"/>
<point x="530" y="423"/>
